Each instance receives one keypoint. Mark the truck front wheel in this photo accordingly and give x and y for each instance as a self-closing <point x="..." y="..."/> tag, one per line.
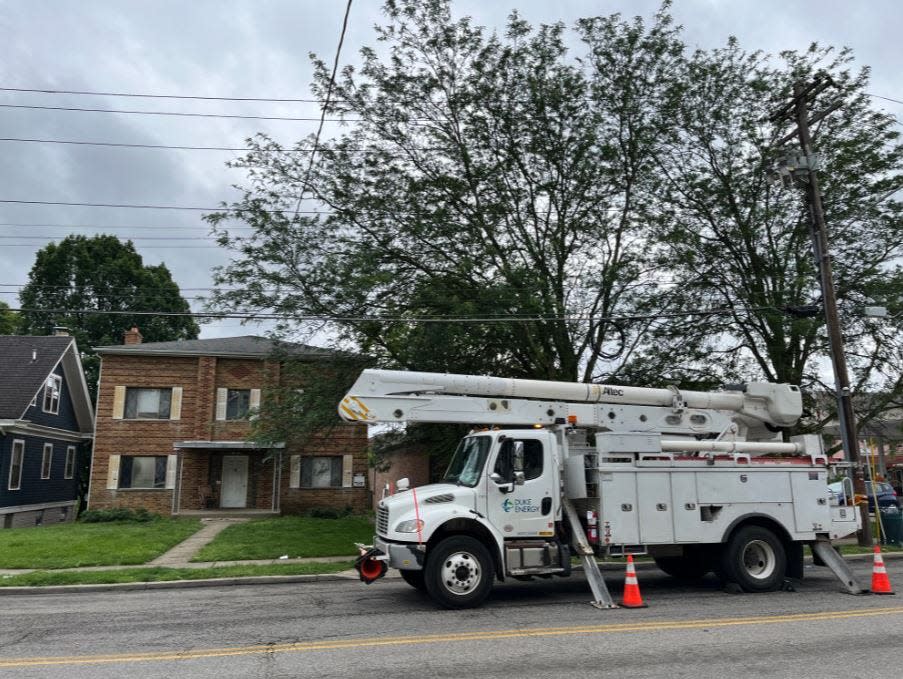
<point x="459" y="572"/>
<point x="755" y="559"/>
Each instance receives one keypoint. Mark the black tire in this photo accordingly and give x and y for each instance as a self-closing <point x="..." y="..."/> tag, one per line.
<point x="692" y="566"/>
<point x="415" y="579"/>
<point x="754" y="559"/>
<point x="459" y="572"/>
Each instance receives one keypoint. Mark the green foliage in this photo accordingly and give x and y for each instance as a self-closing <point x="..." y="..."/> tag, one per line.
<point x="302" y="407"/>
<point x="491" y="177"/>
<point x="9" y="320"/>
<point x="121" y="514"/>
<point x="508" y="204"/>
<point x="328" y="512"/>
<point x="106" y="274"/>
<point x="72" y="545"/>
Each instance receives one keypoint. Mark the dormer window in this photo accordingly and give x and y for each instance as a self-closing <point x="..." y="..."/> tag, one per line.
<point x="51" y="402"/>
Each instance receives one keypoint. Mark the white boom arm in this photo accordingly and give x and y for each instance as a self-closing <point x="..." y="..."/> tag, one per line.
<point x="397" y="396"/>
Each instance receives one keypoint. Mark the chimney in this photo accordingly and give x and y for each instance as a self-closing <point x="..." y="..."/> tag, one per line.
<point x="60" y="331"/>
<point x="132" y="336"/>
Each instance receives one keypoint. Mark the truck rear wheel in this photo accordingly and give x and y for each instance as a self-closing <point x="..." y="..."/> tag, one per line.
<point x="414" y="578"/>
<point x="755" y="559"/>
<point x="459" y="572"/>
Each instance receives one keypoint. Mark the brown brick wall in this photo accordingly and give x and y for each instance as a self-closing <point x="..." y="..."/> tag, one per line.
<point x="412" y="464"/>
<point x="201" y="469"/>
<point x="137" y="437"/>
<point x="344" y="439"/>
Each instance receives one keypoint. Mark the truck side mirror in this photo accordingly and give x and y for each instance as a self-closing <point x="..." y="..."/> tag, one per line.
<point x="504" y="486"/>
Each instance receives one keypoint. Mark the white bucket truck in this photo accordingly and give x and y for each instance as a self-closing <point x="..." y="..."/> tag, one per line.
<point x="700" y="481"/>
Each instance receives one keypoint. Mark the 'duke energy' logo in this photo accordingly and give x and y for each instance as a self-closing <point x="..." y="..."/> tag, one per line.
<point x="507" y="505"/>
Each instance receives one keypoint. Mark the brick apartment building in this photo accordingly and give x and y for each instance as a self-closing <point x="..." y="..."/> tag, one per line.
<point x="172" y="433"/>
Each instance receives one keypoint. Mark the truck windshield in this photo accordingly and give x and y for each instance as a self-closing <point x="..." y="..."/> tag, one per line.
<point x="468" y="460"/>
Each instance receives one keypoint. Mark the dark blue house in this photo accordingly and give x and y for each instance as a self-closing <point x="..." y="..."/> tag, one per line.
<point x="46" y="428"/>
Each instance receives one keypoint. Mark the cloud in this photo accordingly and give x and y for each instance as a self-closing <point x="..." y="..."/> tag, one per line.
<point x="236" y="48"/>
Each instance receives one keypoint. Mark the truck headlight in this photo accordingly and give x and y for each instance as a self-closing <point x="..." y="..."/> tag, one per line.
<point x="409" y="526"/>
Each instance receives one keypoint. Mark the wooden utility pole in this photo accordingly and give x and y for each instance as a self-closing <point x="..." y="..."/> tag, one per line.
<point x="806" y="171"/>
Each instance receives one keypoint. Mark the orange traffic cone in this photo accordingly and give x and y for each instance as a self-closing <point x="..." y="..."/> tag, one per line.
<point x="632" y="598"/>
<point x="880" y="581"/>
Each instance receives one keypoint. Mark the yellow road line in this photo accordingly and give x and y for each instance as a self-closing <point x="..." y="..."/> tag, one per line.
<point x="488" y="635"/>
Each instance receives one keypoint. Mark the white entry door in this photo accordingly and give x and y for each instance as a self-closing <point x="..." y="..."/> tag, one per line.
<point x="234" y="492"/>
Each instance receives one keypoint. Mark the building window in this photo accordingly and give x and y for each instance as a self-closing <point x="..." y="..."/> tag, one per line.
<point x="147" y="404"/>
<point x="47" y="460"/>
<point x="69" y="470"/>
<point x="142" y="471"/>
<point x="238" y="404"/>
<point x="51" y="403"/>
<point x="321" y="472"/>
<point x="15" y="465"/>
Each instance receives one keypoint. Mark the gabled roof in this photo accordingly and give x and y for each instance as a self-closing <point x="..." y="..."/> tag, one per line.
<point x="26" y="361"/>
<point x="248" y="346"/>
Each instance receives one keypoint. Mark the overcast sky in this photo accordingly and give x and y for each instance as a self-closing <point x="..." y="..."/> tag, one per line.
<point x="259" y="48"/>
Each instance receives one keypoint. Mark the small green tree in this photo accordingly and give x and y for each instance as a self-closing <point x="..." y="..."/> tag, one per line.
<point x="81" y="275"/>
<point x="9" y="320"/>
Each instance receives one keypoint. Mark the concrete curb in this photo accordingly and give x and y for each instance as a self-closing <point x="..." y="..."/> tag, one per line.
<point x="294" y="579"/>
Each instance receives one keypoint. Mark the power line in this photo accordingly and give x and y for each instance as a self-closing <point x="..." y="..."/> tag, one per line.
<point x="28" y="237"/>
<point x="101" y="227"/>
<point x="143" y="247"/>
<point x="335" y="68"/>
<point x="196" y="97"/>
<point x="178" y="113"/>
<point x="269" y="315"/>
<point x="174" y="147"/>
<point x="220" y="208"/>
<point x="878" y="96"/>
<point x="159" y="96"/>
<point x="158" y="207"/>
<point x="181" y="147"/>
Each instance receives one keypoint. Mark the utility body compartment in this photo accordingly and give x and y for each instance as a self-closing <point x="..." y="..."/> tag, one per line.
<point x="686" y="501"/>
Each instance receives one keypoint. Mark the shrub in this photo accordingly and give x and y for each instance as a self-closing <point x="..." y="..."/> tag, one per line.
<point x="328" y="512"/>
<point x="123" y="514"/>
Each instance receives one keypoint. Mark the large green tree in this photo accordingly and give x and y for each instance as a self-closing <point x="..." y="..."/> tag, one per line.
<point x="734" y="239"/>
<point x="72" y="280"/>
<point x="484" y="211"/>
<point x="570" y="205"/>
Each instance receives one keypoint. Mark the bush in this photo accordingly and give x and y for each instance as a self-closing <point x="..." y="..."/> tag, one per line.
<point x="328" y="512"/>
<point x="123" y="514"/>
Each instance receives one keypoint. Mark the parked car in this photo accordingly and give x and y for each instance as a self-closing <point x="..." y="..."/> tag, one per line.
<point x="887" y="496"/>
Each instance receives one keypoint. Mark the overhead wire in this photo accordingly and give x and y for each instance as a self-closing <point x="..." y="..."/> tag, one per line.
<point x="339" y="318"/>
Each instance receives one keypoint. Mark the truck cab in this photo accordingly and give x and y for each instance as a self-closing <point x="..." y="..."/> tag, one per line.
<point x="498" y="504"/>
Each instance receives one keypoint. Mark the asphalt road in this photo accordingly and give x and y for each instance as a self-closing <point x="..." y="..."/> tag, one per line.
<point x="543" y="629"/>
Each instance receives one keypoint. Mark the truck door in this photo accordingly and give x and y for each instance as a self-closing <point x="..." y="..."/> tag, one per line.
<point x="522" y="509"/>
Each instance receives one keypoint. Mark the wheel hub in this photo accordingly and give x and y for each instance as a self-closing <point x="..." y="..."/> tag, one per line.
<point x="461" y="573"/>
<point x="759" y="559"/>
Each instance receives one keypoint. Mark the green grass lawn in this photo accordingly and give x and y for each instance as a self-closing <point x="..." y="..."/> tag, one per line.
<point x="91" y="544"/>
<point x="295" y="536"/>
<point x="47" y="578"/>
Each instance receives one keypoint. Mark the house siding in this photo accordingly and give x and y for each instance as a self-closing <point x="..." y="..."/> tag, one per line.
<point x="65" y="419"/>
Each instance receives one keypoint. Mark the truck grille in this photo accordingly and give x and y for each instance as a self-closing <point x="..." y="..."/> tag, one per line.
<point x="382" y="521"/>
